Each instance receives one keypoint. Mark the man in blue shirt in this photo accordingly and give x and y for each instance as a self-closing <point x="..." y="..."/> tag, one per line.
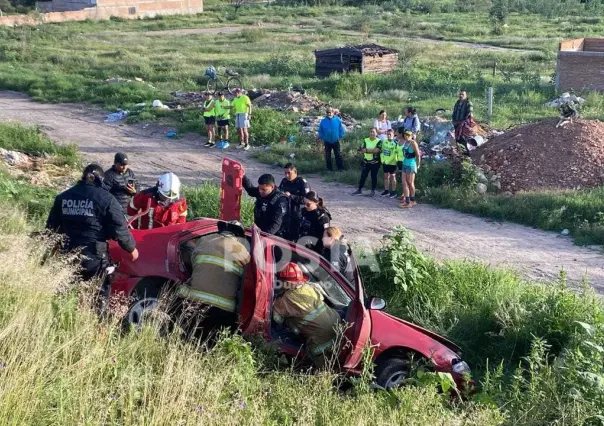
<point x="331" y="130"/>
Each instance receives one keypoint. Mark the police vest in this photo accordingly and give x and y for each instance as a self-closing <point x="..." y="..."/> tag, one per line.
<point x="371" y="144"/>
<point x="210" y="113"/>
<point x="388" y="154"/>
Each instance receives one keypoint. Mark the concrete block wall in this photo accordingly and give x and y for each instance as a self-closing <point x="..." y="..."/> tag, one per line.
<point x="580" y="70"/>
<point x="105" y="9"/>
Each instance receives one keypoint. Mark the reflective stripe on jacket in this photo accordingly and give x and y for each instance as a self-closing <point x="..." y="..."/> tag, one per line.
<point x="304" y="311"/>
<point x="218" y="267"/>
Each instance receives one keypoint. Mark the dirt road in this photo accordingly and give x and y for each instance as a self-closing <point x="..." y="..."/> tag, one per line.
<point x="306" y="29"/>
<point x="443" y="233"/>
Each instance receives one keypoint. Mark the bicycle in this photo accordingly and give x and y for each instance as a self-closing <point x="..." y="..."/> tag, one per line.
<point x="232" y="81"/>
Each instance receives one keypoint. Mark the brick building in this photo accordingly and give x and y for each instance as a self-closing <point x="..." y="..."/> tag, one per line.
<point x="79" y="10"/>
<point x="581" y="64"/>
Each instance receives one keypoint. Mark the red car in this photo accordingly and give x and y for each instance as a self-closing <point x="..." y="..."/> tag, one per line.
<point x="165" y="258"/>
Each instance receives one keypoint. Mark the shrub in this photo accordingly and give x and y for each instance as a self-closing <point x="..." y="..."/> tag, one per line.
<point x="253" y="35"/>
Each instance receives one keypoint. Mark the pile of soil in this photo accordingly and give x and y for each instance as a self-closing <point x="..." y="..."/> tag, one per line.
<point x="541" y="156"/>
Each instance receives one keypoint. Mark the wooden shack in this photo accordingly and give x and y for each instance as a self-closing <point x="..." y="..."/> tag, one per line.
<point x="581" y="64"/>
<point x="365" y="58"/>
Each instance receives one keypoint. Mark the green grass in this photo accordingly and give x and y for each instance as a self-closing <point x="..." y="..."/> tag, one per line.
<point x="581" y="211"/>
<point x="32" y="141"/>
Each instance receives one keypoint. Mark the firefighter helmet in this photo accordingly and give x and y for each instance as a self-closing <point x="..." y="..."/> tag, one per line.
<point x="292" y="273"/>
<point x="168" y="185"/>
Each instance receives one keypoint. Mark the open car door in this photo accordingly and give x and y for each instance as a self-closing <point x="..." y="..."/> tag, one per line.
<point x="257" y="287"/>
<point x="231" y="190"/>
<point x="358" y="323"/>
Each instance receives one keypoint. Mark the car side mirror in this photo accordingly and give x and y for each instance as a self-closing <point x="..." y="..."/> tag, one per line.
<point x="377" y="303"/>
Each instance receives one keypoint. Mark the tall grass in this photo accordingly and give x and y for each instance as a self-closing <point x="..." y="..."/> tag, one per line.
<point x="59" y="365"/>
<point x="33" y="141"/>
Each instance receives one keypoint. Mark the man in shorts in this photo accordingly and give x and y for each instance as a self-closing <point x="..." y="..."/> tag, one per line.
<point x="209" y="117"/>
<point x="242" y="107"/>
<point x="223" y="115"/>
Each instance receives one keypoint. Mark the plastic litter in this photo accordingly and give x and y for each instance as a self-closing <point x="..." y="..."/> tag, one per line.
<point x="171" y="133"/>
<point x="565" y="232"/>
<point x="116" y="116"/>
<point x="481" y="188"/>
<point x="157" y="104"/>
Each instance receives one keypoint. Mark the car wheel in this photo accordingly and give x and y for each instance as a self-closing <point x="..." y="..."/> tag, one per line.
<point x="146" y="301"/>
<point x="392" y="372"/>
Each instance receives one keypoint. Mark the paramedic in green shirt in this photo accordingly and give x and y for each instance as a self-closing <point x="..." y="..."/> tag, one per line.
<point x="242" y="108"/>
<point x="223" y="115"/>
<point x="388" y="158"/>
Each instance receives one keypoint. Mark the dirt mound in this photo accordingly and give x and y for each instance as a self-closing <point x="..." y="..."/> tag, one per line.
<point x="541" y="156"/>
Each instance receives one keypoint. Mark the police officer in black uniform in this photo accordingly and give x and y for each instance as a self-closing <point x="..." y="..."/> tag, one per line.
<point x="271" y="212"/>
<point x="120" y="180"/>
<point x="88" y="215"/>
<point x="295" y="188"/>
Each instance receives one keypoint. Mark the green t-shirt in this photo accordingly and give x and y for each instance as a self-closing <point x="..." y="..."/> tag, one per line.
<point x="222" y="113"/>
<point x="388" y="154"/>
<point x="208" y="104"/>
<point x="240" y="104"/>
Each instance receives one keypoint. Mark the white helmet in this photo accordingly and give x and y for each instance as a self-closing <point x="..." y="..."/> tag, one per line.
<point x="168" y="185"/>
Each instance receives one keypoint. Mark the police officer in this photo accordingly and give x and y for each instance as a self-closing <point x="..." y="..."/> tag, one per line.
<point x="271" y="212"/>
<point x="295" y="188"/>
<point x="120" y="180"/>
<point x="88" y="215"/>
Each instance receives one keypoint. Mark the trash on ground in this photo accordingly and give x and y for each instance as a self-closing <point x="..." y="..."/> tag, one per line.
<point x="157" y="104"/>
<point x="565" y="232"/>
<point x="38" y="171"/>
<point x="116" y="116"/>
<point x="171" y="133"/>
<point x="565" y="98"/>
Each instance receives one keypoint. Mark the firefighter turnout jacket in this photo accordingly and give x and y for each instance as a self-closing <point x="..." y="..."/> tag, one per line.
<point x="271" y="213"/>
<point x="88" y="215"/>
<point x="157" y="215"/>
<point x="304" y="311"/>
<point x="218" y="267"/>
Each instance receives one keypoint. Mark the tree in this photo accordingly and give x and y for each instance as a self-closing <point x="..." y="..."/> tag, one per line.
<point x="498" y="14"/>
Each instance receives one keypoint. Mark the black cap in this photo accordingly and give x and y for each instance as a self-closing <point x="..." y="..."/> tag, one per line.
<point x="121" y="158"/>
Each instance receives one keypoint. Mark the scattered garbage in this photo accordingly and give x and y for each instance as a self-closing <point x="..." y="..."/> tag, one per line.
<point x="119" y="80"/>
<point x="116" y="116"/>
<point x="14" y="158"/>
<point x="565" y="98"/>
<point x="157" y="104"/>
<point x="565" y="232"/>
<point x="539" y="156"/>
<point x="171" y="133"/>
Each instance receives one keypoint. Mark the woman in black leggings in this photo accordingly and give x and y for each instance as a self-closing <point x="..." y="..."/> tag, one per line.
<point x="371" y="148"/>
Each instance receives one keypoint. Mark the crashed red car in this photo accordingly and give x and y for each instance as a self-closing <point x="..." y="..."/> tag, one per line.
<point x="164" y="259"/>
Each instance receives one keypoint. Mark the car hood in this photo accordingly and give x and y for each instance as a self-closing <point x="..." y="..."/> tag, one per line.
<point x="388" y="322"/>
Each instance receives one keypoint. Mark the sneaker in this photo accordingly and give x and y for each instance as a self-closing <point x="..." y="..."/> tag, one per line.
<point x="372" y="193"/>
<point x="211" y="145"/>
<point x="241" y="146"/>
<point x="392" y="194"/>
<point x="208" y="144"/>
<point x="247" y="147"/>
<point x="225" y="145"/>
<point x="384" y="193"/>
<point x="357" y="192"/>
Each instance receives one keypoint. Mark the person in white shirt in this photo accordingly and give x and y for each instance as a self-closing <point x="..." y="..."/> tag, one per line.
<point x="382" y="124"/>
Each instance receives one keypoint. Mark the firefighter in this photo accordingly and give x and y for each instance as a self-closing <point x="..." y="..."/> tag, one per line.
<point x="295" y="188"/>
<point x="302" y="309"/>
<point x="88" y="215"/>
<point x="271" y="212"/>
<point x="164" y="204"/>
<point x="218" y="268"/>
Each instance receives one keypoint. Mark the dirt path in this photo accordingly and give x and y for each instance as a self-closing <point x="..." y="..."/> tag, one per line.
<point x="442" y="233"/>
<point x="306" y="29"/>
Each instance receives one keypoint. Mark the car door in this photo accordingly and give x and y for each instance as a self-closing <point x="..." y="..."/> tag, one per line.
<point x="259" y="278"/>
<point x="358" y="329"/>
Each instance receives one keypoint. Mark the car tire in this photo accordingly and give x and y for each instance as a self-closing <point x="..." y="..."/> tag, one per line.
<point x="392" y="372"/>
<point x="146" y="300"/>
